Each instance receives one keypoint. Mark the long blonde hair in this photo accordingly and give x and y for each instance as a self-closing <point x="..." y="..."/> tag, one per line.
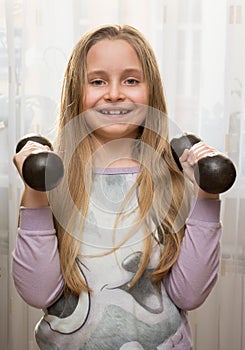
<point x="161" y="186"/>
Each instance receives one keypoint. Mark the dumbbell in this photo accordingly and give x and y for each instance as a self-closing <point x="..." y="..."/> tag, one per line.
<point x="42" y="170"/>
<point x="214" y="173"/>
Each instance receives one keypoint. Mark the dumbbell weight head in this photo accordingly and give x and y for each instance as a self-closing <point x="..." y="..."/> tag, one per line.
<point x="214" y="174"/>
<point x="42" y="170"/>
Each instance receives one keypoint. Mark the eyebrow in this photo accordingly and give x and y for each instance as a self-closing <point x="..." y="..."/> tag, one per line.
<point x="126" y="71"/>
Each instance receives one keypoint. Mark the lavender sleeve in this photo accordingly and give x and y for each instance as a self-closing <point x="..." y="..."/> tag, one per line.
<point x="195" y="272"/>
<point x="36" y="266"/>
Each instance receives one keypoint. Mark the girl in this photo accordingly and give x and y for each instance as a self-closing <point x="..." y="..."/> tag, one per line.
<point x="120" y="251"/>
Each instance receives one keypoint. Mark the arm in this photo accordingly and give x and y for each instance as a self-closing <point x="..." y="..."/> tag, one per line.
<point x="194" y="274"/>
<point x="36" y="265"/>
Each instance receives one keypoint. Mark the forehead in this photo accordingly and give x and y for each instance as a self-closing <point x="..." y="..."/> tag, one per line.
<point x="111" y="54"/>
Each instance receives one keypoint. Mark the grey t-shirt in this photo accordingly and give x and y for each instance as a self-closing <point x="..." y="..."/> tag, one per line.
<point x="114" y="316"/>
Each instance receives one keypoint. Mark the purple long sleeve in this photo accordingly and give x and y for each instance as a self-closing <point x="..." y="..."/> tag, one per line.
<point x="36" y="265"/>
<point x="194" y="274"/>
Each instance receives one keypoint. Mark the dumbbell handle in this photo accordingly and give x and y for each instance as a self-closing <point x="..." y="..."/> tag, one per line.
<point x="43" y="170"/>
<point x="214" y="174"/>
<point x="35" y="138"/>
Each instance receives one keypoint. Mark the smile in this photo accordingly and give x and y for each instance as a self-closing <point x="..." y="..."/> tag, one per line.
<point x="114" y="112"/>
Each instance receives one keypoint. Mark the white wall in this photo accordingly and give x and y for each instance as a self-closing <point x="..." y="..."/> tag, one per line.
<point x="200" y="46"/>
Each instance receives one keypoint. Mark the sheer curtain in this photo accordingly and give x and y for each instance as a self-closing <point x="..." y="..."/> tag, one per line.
<point x="200" y="46"/>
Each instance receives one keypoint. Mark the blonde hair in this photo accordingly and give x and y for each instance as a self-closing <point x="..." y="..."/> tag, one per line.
<point x="161" y="186"/>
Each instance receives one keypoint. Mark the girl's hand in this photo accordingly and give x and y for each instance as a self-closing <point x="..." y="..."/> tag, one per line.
<point x="29" y="147"/>
<point x="30" y="198"/>
<point x="189" y="158"/>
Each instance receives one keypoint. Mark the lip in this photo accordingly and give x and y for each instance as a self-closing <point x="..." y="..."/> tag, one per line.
<point x="114" y="112"/>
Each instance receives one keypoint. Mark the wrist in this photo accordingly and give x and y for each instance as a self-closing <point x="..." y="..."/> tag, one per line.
<point x="199" y="193"/>
<point x="34" y="199"/>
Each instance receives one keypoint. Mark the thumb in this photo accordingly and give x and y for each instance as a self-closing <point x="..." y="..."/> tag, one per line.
<point x="184" y="156"/>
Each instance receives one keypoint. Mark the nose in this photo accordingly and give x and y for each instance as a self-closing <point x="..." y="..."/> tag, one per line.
<point x="114" y="92"/>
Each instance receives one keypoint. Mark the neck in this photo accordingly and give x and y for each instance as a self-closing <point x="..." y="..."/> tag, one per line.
<point x="114" y="154"/>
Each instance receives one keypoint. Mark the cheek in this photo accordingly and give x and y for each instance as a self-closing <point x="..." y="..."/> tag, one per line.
<point x="90" y="98"/>
<point x="87" y="100"/>
<point x="145" y="99"/>
<point x="141" y="97"/>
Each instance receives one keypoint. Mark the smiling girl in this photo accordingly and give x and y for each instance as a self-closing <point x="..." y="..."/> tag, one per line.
<point x="127" y="244"/>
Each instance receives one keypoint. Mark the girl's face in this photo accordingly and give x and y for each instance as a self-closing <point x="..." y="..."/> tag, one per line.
<point x="116" y="93"/>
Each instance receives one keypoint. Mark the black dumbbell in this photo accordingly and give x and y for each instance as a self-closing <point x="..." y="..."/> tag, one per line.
<point x="214" y="174"/>
<point x="42" y="170"/>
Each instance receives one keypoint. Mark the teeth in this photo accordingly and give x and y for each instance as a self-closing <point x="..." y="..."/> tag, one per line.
<point x="114" y="112"/>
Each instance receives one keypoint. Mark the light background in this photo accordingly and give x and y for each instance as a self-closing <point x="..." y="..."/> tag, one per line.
<point x="200" y="47"/>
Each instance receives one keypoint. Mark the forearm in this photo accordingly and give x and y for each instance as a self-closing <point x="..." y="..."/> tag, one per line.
<point x="36" y="265"/>
<point x="195" y="272"/>
<point x="33" y="199"/>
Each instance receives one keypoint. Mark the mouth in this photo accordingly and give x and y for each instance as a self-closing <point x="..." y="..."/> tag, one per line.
<point x="114" y="112"/>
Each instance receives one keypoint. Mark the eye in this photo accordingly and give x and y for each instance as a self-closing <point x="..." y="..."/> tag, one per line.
<point x="131" y="81"/>
<point x="97" y="82"/>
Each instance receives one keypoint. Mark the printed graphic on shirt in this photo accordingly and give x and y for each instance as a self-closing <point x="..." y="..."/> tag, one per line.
<point x="143" y="318"/>
<point x="113" y="316"/>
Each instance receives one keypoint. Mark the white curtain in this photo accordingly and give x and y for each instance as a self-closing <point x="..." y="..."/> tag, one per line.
<point x="200" y="46"/>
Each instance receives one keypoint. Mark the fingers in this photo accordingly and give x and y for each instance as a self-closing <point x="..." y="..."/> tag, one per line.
<point x="198" y="151"/>
<point x="31" y="146"/>
<point x="28" y="148"/>
<point x="201" y="150"/>
<point x="191" y="156"/>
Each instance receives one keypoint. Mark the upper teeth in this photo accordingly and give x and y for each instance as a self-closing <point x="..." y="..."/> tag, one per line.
<point x="114" y="112"/>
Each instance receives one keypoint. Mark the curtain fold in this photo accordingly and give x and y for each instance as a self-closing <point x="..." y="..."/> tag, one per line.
<point x="200" y="47"/>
